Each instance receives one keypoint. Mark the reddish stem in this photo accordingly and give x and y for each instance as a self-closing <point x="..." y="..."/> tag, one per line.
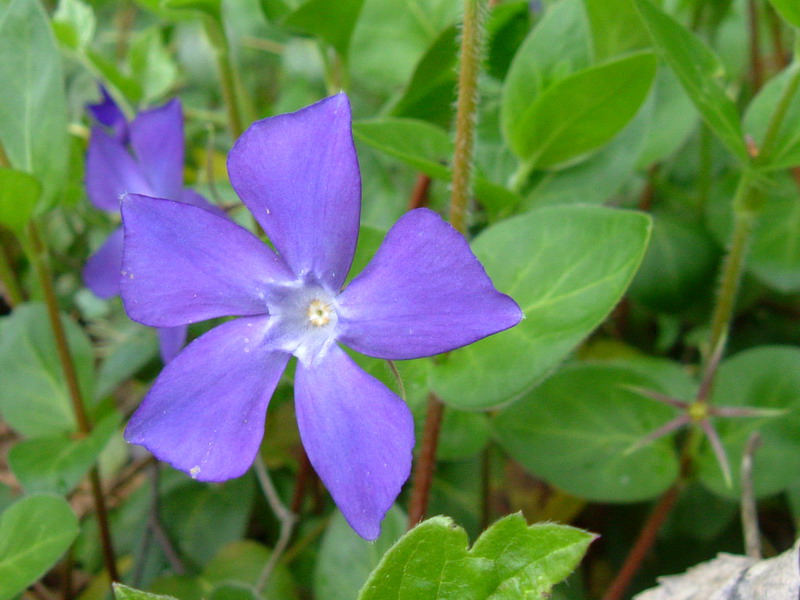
<point x="426" y="462"/>
<point x="419" y="197"/>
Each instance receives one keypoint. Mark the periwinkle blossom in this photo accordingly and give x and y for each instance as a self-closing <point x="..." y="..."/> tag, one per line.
<point x="422" y="294"/>
<point x="144" y="156"/>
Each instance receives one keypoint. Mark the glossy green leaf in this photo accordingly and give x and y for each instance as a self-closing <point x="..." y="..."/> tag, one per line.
<point x="463" y="434"/>
<point x="33" y="112"/>
<point x="789" y="10"/>
<point x="566" y="267"/>
<point x="786" y="147"/>
<point x="74" y="23"/>
<point x="510" y="560"/>
<point x="611" y="165"/>
<point x="19" y="193"/>
<point x="700" y="72"/>
<point x="34" y="398"/>
<point x="557" y="46"/>
<point x="345" y="560"/>
<point x="575" y="431"/>
<point x="616" y="27"/>
<point x="34" y="532"/>
<point x="57" y="463"/>
<point x="426" y="148"/>
<point x="430" y="93"/>
<point x="123" y="592"/>
<point x="763" y="377"/>
<point x="583" y="111"/>
<point x="678" y="268"/>
<point x="333" y="22"/>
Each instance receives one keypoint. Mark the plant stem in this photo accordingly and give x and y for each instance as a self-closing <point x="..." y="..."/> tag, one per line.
<point x="771" y="136"/>
<point x="749" y="512"/>
<point x="227" y="74"/>
<point x="40" y="261"/>
<point x="466" y="110"/>
<point x="756" y="64"/>
<point x="426" y="462"/>
<point x="13" y="293"/>
<point x="285" y="516"/>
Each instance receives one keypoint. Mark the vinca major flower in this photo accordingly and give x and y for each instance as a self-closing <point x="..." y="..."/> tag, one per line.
<point x="144" y="156"/>
<point x="422" y="294"/>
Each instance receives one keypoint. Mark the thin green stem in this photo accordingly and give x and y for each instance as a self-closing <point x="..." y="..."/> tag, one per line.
<point x="286" y="517"/>
<point x="745" y="215"/>
<point x="227" y="75"/>
<point x="38" y="252"/>
<point x="466" y="110"/>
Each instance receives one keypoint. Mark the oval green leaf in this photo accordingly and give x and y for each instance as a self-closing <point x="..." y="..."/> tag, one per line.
<point x="566" y="266"/>
<point x="577" y="428"/>
<point x="34" y="532"/>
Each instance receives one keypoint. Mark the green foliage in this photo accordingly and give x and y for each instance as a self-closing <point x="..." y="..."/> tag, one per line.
<point x="789" y="10"/>
<point x="33" y="114"/>
<point x="19" y="194"/>
<point x="34" y="533"/>
<point x="123" y="592"/>
<point x="567" y="267"/>
<point x="333" y="22"/>
<point x="509" y="560"/>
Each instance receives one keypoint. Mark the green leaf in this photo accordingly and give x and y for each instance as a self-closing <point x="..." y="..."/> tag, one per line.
<point x="583" y="111"/>
<point x="212" y="8"/>
<point x="506" y="30"/>
<point x="74" y="24"/>
<point x="33" y="111"/>
<point x="700" y="72"/>
<point x="529" y="560"/>
<point x="426" y="148"/>
<point x="333" y="22"/>
<point x="57" y="463"/>
<point x="678" y="268"/>
<point x="613" y="165"/>
<point x="616" y="27"/>
<point x="763" y="377"/>
<point x="132" y="347"/>
<point x="151" y="65"/>
<point x="345" y="560"/>
<point x="785" y="151"/>
<point x="566" y="267"/>
<point x="19" y="193"/>
<point x="576" y="428"/>
<point x="430" y="93"/>
<point x="463" y="434"/>
<point x="34" y="398"/>
<point x="123" y="592"/>
<point x="509" y="561"/>
<point x="34" y="532"/>
<point x="789" y="10"/>
<point x="557" y="46"/>
<point x="202" y="518"/>
<point x="235" y="591"/>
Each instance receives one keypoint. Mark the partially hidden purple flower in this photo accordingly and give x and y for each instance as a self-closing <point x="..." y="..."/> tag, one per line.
<point x="144" y="156"/>
<point x="423" y="293"/>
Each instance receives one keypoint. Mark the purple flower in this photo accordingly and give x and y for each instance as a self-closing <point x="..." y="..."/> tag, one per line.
<point x="145" y="157"/>
<point x="423" y="293"/>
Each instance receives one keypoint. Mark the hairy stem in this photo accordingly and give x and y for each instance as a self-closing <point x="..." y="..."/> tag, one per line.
<point x="466" y="110"/>
<point x="426" y="462"/>
<point x="228" y="78"/>
<point x="40" y="261"/>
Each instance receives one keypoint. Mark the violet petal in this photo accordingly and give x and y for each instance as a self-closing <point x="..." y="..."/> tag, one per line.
<point x="424" y="293"/>
<point x="109" y="114"/>
<point x="170" y="341"/>
<point x="298" y="174"/>
<point x="205" y="413"/>
<point x="183" y="264"/>
<point x="111" y="172"/>
<point x="101" y="273"/>
<point x="157" y="139"/>
<point x="358" y="436"/>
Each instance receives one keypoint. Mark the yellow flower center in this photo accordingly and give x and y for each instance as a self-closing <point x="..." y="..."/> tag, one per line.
<point x="319" y="313"/>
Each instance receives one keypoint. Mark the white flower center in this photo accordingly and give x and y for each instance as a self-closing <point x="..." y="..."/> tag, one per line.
<point x="304" y="319"/>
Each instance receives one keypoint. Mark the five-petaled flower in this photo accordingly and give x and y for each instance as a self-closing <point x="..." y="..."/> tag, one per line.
<point x="423" y="293"/>
<point x="144" y="156"/>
